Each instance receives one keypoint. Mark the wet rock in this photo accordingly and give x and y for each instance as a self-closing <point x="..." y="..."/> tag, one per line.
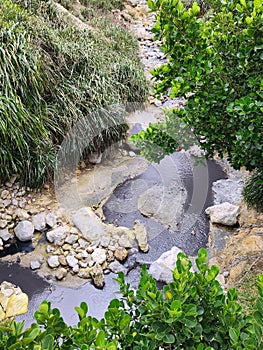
<point x="224" y="214"/>
<point x="88" y="224"/>
<point x="24" y="231"/>
<point x="162" y="268"/>
<point x="97" y="276"/>
<point x="165" y="204"/>
<point x="5" y="235"/>
<point x="35" y="264"/>
<point x="228" y="190"/>
<point x="13" y="301"/>
<point x="53" y="261"/>
<point x="121" y="253"/>
<point x="117" y="267"/>
<point x="39" y="221"/>
<point x="61" y="273"/>
<point x="72" y="261"/>
<point x="141" y="236"/>
<point x="51" y="219"/>
<point x="57" y="235"/>
<point x="99" y="255"/>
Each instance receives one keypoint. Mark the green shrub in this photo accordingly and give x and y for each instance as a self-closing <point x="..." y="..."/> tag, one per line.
<point x="53" y="74"/>
<point x="216" y="60"/>
<point x="192" y="312"/>
<point x="253" y="191"/>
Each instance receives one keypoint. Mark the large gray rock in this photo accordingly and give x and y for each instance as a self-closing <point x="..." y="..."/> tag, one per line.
<point x="223" y="214"/>
<point x="39" y="221"/>
<point x="162" y="268"/>
<point x="228" y="191"/>
<point x="57" y="235"/>
<point x="24" y="231"/>
<point x="163" y="203"/>
<point x="89" y="224"/>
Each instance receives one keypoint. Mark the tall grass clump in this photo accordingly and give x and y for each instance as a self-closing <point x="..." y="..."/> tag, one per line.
<point x="54" y="73"/>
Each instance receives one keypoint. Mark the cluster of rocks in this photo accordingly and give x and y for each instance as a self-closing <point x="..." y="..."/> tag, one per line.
<point x="13" y="301"/>
<point x="91" y="248"/>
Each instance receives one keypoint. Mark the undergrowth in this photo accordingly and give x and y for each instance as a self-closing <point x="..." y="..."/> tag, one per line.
<point x="54" y="73"/>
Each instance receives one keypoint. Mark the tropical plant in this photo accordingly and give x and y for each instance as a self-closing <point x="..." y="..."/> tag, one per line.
<point x="191" y="312"/>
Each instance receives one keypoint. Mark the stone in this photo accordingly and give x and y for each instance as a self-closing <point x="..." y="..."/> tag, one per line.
<point x="5" y="235"/>
<point x="66" y="247"/>
<point x="1" y="242"/>
<point x="117" y="267"/>
<point x="57" y="235"/>
<point x="224" y="214"/>
<point x="99" y="255"/>
<point x="105" y="241"/>
<point x="161" y="269"/>
<point x="4" y="194"/>
<point x="164" y="203"/>
<point x="51" y="219"/>
<point x="84" y="272"/>
<point x="24" y="231"/>
<point x="39" y="221"/>
<point x="237" y="271"/>
<point x="132" y="154"/>
<point x="141" y="236"/>
<point x="127" y="239"/>
<point x="35" y="264"/>
<point x="3" y="223"/>
<point x="62" y="260"/>
<point x="96" y="273"/>
<point x="13" y="301"/>
<point x="61" y="273"/>
<point x="21" y="214"/>
<point x="121" y="253"/>
<point x="53" y="261"/>
<point x="71" y="239"/>
<point x="72" y="261"/>
<point x="89" y="224"/>
<point x="17" y="305"/>
<point x="75" y="269"/>
<point x="228" y="190"/>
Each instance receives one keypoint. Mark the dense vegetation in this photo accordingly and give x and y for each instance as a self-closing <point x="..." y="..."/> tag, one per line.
<point x="191" y="313"/>
<point x="215" y="57"/>
<point x="54" y="72"/>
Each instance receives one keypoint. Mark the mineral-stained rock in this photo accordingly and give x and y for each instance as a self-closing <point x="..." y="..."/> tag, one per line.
<point x="99" y="255"/>
<point x="162" y="268"/>
<point x="121" y="253"/>
<point x="84" y="272"/>
<point x="57" y="235"/>
<point x="62" y="260"/>
<point x="39" y="221"/>
<point x="61" y="273"/>
<point x="97" y="276"/>
<point x="89" y="224"/>
<point x="13" y="301"/>
<point x="224" y="214"/>
<point x="24" y="231"/>
<point x="53" y="261"/>
<point x="141" y="236"/>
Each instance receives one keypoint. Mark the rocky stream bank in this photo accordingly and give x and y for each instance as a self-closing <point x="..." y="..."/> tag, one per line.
<point x="114" y="224"/>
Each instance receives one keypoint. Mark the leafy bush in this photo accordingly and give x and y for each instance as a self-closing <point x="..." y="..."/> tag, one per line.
<point x="54" y="73"/>
<point x="215" y="59"/>
<point x="192" y="312"/>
